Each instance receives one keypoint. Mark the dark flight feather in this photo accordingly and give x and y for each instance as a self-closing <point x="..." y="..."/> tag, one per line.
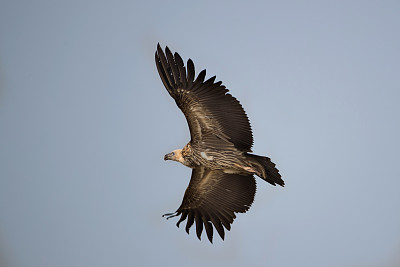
<point x="206" y="105"/>
<point x="213" y="197"/>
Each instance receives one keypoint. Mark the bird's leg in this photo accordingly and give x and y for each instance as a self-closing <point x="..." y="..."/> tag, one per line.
<point x="170" y="215"/>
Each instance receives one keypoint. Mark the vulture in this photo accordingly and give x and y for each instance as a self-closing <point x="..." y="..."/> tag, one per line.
<point x="223" y="169"/>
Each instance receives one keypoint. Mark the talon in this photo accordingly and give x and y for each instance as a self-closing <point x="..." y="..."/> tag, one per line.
<point x="170" y="215"/>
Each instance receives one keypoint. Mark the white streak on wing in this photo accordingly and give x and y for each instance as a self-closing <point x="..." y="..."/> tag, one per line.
<point x="204" y="156"/>
<point x="230" y="171"/>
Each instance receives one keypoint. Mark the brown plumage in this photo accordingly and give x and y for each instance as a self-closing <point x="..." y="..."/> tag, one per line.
<point x="222" y="182"/>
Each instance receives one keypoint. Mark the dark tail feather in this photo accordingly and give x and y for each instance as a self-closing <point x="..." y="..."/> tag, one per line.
<point x="265" y="168"/>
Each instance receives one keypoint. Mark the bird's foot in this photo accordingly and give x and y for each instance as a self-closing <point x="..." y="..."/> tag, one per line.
<point x="170" y="215"/>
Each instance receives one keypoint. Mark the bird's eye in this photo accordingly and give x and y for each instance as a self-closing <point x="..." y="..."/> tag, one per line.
<point x="173" y="153"/>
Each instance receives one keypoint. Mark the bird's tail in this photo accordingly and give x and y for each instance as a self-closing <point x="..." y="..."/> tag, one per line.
<point x="265" y="168"/>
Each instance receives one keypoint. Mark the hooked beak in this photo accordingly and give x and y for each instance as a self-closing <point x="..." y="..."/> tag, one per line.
<point x="168" y="156"/>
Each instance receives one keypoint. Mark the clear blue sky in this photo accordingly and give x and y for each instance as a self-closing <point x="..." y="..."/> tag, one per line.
<point x="85" y="122"/>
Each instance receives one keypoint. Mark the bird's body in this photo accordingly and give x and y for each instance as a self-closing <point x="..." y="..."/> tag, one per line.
<point x="193" y="156"/>
<point x="230" y="161"/>
<point x="219" y="149"/>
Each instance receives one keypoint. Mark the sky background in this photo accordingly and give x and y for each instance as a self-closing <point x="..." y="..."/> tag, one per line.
<point x="85" y="122"/>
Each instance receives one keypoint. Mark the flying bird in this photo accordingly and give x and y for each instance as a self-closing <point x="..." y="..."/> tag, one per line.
<point x="222" y="181"/>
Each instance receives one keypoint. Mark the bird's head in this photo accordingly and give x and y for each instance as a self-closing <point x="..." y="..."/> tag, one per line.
<point x="175" y="155"/>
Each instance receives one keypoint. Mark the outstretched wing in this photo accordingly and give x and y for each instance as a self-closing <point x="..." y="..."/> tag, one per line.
<point x="212" y="198"/>
<point x="208" y="108"/>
